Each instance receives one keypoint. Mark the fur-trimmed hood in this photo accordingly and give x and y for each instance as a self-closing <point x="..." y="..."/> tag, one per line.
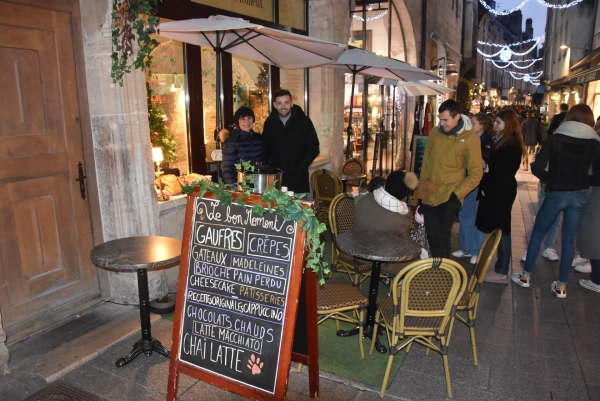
<point x="577" y="130"/>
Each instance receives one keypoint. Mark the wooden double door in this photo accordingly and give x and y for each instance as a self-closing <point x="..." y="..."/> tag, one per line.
<point x="45" y="227"/>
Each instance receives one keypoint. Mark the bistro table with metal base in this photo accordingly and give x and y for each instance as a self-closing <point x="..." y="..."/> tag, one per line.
<point x="140" y="254"/>
<point x="378" y="247"/>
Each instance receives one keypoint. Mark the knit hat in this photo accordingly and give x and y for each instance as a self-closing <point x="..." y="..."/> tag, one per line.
<point x="400" y="183"/>
<point x="243" y="112"/>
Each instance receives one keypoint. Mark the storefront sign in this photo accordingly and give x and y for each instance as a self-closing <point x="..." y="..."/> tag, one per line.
<point x="237" y="298"/>
<point x="261" y="9"/>
<point x="589" y="76"/>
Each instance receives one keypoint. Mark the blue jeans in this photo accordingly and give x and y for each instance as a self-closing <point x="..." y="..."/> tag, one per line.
<point x="553" y="232"/>
<point x="595" y="271"/>
<point x="467" y="234"/>
<point x="572" y="204"/>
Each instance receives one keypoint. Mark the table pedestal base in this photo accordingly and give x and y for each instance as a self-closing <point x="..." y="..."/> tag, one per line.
<point x="367" y="333"/>
<point x="143" y="346"/>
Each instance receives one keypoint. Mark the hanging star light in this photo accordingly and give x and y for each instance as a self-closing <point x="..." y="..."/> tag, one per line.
<point x="517" y="8"/>
<point x="506" y="53"/>
<point x="528" y="76"/>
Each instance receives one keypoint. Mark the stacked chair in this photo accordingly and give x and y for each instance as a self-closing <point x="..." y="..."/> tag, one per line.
<point x="341" y="218"/>
<point x="467" y="307"/>
<point x="425" y="295"/>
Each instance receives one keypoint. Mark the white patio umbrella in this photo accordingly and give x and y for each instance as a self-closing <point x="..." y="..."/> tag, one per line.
<point x="424" y="88"/>
<point x="364" y="62"/>
<point x="252" y="41"/>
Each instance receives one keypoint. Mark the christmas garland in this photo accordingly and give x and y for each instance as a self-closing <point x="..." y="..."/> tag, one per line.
<point x="286" y="206"/>
<point x="132" y="21"/>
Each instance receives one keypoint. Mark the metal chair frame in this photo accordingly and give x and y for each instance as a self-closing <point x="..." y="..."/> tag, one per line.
<point x="341" y="218"/>
<point x="326" y="185"/>
<point x="470" y="300"/>
<point x="335" y="298"/>
<point x="425" y="295"/>
<point x="355" y="166"/>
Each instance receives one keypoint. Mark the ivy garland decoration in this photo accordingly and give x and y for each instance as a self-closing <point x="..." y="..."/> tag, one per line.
<point x="132" y="20"/>
<point x="288" y="207"/>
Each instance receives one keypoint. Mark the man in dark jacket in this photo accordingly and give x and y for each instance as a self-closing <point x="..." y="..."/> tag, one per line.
<point x="532" y="135"/>
<point x="290" y="142"/>
<point x="558" y="118"/>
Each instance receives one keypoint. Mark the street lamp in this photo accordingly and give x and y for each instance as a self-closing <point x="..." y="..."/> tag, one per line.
<point x="566" y="47"/>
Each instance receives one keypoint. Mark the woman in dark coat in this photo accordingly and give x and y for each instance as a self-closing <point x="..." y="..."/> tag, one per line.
<point x="240" y="144"/>
<point x="498" y="188"/>
<point x="565" y="164"/>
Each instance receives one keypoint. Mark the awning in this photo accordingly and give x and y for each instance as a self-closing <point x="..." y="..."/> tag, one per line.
<point x="584" y="63"/>
<point x="589" y="75"/>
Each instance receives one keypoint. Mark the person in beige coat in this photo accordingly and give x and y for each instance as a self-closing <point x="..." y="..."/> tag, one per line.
<point x="453" y="150"/>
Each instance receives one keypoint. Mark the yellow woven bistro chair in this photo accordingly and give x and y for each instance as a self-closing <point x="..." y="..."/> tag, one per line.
<point x="335" y="299"/>
<point x="422" y="307"/>
<point x="341" y="218"/>
<point x="470" y="299"/>
<point x="354" y="166"/>
<point x="326" y="185"/>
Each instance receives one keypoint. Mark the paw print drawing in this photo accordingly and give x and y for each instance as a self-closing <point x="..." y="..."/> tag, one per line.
<point x="255" y="365"/>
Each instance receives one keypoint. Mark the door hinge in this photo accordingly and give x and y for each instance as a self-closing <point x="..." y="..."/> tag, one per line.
<point x="81" y="180"/>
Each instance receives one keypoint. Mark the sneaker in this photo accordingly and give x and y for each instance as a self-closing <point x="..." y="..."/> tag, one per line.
<point x="493" y="277"/>
<point x="461" y="254"/>
<point x="524" y="257"/>
<point x="560" y="292"/>
<point x="584" y="268"/>
<point x="589" y="285"/>
<point x="578" y="260"/>
<point x="473" y="259"/>
<point x="550" y="254"/>
<point x="521" y="280"/>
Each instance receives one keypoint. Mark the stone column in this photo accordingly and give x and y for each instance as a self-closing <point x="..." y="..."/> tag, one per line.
<point x="4" y="354"/>
<point x="122" y="151"/>
<point x="330" y="20"/>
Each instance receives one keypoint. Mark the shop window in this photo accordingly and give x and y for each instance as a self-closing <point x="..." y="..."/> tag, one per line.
<point x="251" y="88"/>
<point x="294" y="81"/>
<point x="292" y="13"/>
<point x="209" y="96"/>
<point x="167" y="88"/>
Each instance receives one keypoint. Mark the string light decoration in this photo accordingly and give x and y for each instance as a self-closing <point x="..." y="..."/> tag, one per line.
<point x="517" y="8"/>
<point x="506" y="52"/>
<point x="369" y="19"/>
<point x="536" y="39"/>
<point x="512" y="62"/>
<point x="527" y="77"/>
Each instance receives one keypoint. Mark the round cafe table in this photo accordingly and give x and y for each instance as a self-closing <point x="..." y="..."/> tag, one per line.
<point x="345" y="177"/>
<point x="139" y="254"/>
<point x="377" y="247"/>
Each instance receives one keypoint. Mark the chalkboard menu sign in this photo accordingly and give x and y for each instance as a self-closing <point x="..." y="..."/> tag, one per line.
<point x="418" y="152"/>
<point x="237" y="297"/>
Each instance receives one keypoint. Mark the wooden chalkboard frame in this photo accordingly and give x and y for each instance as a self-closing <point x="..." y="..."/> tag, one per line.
<point x="415" y="165"/>
<point x="285" y="352"/>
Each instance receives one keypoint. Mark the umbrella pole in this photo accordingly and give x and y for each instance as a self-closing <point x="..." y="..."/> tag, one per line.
<point x="393" y="126"/>
<point x="219" y="110"/>
<point x="349" y="129"/>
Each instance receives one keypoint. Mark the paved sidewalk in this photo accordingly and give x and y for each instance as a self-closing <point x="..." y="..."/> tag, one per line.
<point x="531" y="345"/>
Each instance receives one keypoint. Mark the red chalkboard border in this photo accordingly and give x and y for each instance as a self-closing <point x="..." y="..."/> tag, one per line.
<point x="285" y="353"/>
